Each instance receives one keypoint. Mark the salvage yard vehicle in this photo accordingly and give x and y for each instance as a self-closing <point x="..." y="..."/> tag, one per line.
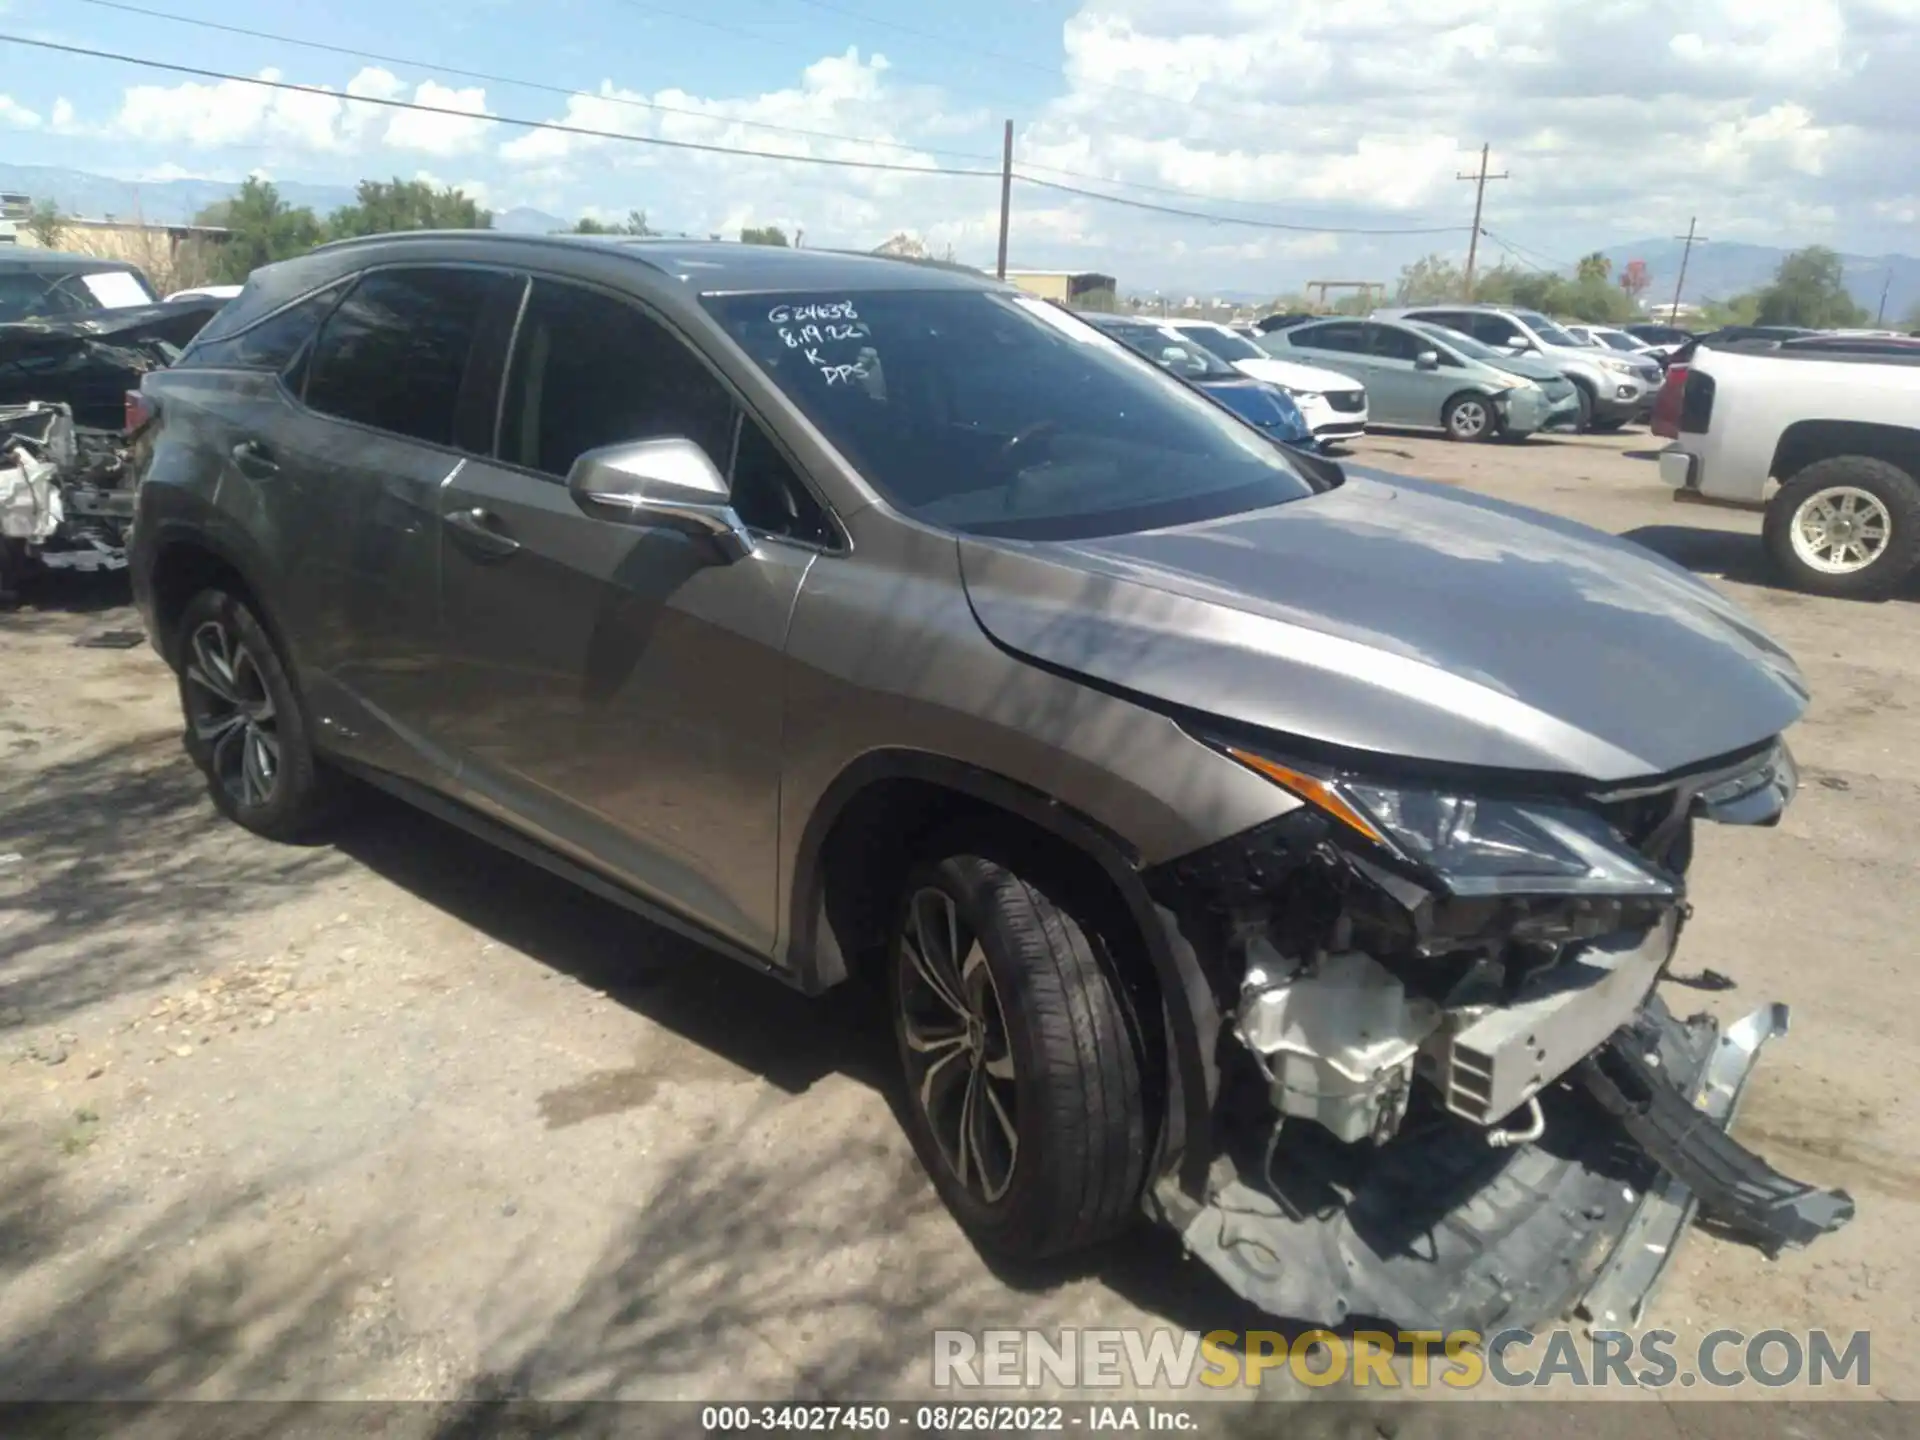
<point x="1428" y="375"/>
<point x="1822" y="434"/>
<point x="1613" y="389"/>
<point x="1335" y="407"/>
<point x="35" y="283"/>
<point x="1232" y="840"/>
<point x="1269" y="407"/>
<point x="66" y="488"/>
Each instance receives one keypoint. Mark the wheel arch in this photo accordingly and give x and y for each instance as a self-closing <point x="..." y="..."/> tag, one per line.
<point x="1807" y="442"/>
<point x="855" y="849"/>
<point x="184" y="565"/>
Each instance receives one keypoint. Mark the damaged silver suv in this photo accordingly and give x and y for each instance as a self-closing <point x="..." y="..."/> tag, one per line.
<point x="1290" y="854"/>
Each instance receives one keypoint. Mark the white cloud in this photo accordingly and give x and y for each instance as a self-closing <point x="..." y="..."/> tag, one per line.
<point x="441" y="134"/>
<point x="16" y="116"/>
<point x="318" y="121"/>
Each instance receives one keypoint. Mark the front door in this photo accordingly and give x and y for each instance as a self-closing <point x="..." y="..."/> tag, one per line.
<point x="616" y="689"/>
<point x="1399" y="392"/>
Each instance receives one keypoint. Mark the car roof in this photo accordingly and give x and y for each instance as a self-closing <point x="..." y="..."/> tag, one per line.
<point x="719" y="267"/>
<point x="13" y="257"/>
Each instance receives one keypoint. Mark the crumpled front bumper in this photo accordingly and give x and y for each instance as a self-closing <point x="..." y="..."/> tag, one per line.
<point x="1440" y="1231"/>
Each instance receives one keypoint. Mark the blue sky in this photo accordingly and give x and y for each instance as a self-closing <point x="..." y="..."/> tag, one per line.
<point x="1778" y="121"/>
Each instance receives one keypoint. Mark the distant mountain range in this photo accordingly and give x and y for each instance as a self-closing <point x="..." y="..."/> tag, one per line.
<point x="176" y="202"/>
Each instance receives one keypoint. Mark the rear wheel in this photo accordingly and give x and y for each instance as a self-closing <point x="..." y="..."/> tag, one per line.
<point x="1848" y="527"/>
<point x="1022" y="1060"/>
<point x="245" y="728"/>
<point x="1470" y="417"/>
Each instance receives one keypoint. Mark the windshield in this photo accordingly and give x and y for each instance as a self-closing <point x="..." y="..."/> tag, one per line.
<point x="996" y="414"/>
<point x="1617" y="341"/>
<point x="1549" y="333"/>
<point x="1459" y="341"/>
<point x="1224" y="343"/>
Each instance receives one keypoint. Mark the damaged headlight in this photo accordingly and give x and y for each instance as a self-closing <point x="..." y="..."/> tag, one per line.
<point x="1474" y="845"/>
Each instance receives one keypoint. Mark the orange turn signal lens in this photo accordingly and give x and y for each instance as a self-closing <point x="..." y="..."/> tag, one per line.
<point x="1312" y="788"/>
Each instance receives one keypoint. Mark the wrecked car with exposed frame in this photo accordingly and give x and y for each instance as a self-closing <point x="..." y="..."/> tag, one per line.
<point x="66" y="481"/>
<point x="1293" y="853"/>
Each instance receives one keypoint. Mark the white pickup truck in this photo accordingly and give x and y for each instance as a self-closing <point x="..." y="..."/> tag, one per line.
<point x="1838" y="432"/>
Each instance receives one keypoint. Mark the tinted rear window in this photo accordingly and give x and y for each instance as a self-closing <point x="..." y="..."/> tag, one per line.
<point x="395" y="352"/>
<point x="271" y="343"/>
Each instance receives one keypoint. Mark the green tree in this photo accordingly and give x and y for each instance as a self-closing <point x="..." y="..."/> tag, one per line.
<point x="762" y="235"/>
<point x="634" y="224"/>
<point x="45" y="221"/>
<point x="1428" y="280"/>
<point x="1594" y="267"/>
<point x="1809" y="288"/>
<point x="382" y="207"/>
<point x="1740" y="310"/>
<point x="262" y="228"/>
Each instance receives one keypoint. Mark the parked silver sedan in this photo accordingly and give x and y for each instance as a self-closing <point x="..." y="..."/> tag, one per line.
<point x="1429" y="376"/>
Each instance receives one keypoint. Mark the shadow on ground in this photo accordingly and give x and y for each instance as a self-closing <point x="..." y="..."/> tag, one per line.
<point x="193" y="1297"/>
<point x="790" y="1040"/>
<point x="126" y="876"/>
<point x="70" y="592"/>
<point x="1734" y="555"/>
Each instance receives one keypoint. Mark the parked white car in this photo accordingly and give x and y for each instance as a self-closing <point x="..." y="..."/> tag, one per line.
<point x="1838" y="431"/>
<point x="207" y="292"/>
<point x="1608" y="337"/>
<point x="1335" y="405"/>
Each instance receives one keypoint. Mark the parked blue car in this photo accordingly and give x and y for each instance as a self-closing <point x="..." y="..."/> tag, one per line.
<point x="1267" y="406"/>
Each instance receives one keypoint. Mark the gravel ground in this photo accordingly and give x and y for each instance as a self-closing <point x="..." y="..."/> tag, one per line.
<point x="398" y="1116"/>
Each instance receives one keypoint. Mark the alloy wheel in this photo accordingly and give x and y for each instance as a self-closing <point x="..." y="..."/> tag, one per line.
<point x="1469" y="419"/>
<point x="958" y="1059"/>
<point x="232" y="714"/>
<point x="1841" y="530"/>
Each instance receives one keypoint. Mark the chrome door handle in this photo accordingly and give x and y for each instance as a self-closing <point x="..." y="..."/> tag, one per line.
<point x="479" y="532"/>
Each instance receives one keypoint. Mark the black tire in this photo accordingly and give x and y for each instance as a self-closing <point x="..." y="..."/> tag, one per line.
<point x="1066" y="1052"/>
<point x="1608" y="427"/>
<point x="1898" y="494"/>
<point x="1470" y="416"/>
<point x="241" y="713"/>
<point x="1584" y="394"/>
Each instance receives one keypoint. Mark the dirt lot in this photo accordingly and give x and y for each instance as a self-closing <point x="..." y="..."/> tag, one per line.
<point x="398" y="1116"/>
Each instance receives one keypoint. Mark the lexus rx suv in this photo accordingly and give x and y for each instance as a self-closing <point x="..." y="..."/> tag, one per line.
<point x="1270" y="848"/>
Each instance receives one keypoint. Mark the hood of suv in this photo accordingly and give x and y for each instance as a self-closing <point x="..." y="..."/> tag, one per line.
<point x="1399" y="617"/>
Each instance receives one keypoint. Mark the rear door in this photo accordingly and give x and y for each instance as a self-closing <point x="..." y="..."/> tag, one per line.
<point x="609" y="687"/>
<point x="1336" y="345"/>
<point x="397" y="392"/>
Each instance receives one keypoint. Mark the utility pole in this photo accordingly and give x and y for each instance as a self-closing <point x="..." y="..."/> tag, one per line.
<point x="1479" y="199"/>
<point x="1673" y="315"/>
<point x="1006" y="200"/>
<point x="1880" y="315"/>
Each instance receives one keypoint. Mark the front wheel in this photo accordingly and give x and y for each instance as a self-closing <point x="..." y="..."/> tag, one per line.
<point x="1022" y="1061"/>
<point x="1847" y="527"/>
<point x="1584" y="421"/>
<point x="1470" y="417"/>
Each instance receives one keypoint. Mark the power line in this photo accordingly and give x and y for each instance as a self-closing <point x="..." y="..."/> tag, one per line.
<point x="1235" y="219"/>
<point x="550" y="89"/>
<point x="549" y="125"/>
<point x="1532" y="259"/>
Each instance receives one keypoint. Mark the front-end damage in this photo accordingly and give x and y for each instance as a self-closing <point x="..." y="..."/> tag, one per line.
<point x="1449" y="1094"/>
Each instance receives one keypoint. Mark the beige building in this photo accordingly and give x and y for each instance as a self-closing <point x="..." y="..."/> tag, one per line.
<point x="174" y="257"/>
<point x="1066" y="286"/>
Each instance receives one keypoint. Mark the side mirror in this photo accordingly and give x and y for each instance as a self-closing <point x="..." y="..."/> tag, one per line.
<point x="668" y="482"/>
<point x="1519" y="344"/>
<point x="1427" y="360"/>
